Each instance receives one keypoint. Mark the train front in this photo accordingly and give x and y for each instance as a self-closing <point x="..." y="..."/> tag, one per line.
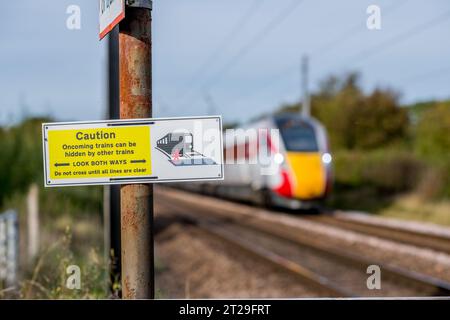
<point x="305" y="174"/>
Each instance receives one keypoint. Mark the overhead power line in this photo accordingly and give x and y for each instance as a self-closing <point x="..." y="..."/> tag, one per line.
<point x="238" y="27"/>
<point x="328" y="47"/>
<point x="353" y="31"/>
<point x="443" y="71"/>
<point x="381" y="46"/>
<point x="414" y="31"/>
<point x="264" y="32"/>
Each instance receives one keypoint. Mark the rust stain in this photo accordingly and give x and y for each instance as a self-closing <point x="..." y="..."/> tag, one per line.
<point x="128" y="291"/>
<point x="135" y="65"/>
<point x="134" y="206"/>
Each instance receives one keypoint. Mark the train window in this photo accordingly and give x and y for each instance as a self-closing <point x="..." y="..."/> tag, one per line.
<point x="298" y="135"/>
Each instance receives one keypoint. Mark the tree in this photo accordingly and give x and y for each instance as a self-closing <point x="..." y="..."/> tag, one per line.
<point x="432" y="134"/>
<point x="21" y="157"/>
<point x="355" y="120"/>
<point x="379" y="120"/>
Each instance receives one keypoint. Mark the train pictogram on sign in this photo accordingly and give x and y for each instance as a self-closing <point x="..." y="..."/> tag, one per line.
<point x="179" y="149"/>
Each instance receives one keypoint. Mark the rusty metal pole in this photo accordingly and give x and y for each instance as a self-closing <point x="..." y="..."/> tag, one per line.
<point x="136" y="200"/>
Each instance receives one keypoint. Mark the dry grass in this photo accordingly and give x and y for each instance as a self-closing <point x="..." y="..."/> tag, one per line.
<point x="65" y="241"/>
<point x="415" y="207"/>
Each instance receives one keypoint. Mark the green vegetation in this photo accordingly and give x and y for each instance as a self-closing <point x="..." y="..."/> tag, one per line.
<point x="354" y="120"/>
<point x="21" y="157"/>
<point x="433" y="133"/>
<point x="46" y="277"/>
<point x="21" y="160"/>
<point x="71" y="228"/>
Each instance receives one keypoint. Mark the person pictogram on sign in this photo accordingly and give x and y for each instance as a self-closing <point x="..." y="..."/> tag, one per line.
<point x="176" y="156"/>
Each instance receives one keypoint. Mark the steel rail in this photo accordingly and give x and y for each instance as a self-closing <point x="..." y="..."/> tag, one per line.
<point x="425" y="240"/>
<point x="436" y="286"/>
<point x="214" y="229"/>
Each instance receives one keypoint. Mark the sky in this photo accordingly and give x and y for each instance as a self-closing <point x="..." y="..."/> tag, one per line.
<point x="237" y="58"/>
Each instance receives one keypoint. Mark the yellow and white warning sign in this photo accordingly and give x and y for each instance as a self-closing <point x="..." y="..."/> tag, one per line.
<point x="132" y="151"/>
<point x="98" y="153"/>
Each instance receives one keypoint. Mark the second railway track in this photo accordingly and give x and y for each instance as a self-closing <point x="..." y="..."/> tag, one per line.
<point x="419" y="239"/>
<point x="333" y="272"/>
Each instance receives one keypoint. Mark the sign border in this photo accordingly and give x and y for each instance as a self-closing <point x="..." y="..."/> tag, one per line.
<point x="112" y="25"/>
<point x="131" y="180"/>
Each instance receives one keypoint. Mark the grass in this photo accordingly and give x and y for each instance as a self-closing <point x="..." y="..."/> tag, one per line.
<point x="67" y="242"/>
<point x="364" y="198"/>
<point x="69" y="235"/>
<point x="414" y="207"/>
<point x="406" y="206"/>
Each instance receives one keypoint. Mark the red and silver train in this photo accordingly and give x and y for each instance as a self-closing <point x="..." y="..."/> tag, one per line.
<point x="297" y="174"/>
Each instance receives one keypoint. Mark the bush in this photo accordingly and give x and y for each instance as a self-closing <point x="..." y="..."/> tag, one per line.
<point x="21" y="157"/>
<point x="393" y="171"/>
<point x="356" y="120"/>
<point x="21" y="160"/>
<point x="433" y="134"/>
<point x="47" y="277"/>
<point x="432" y="144"/>
<point x="435" y="183"/>
<point x="384" y="170"/>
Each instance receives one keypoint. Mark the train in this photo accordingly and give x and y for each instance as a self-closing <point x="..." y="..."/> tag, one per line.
<point x="295" y="174"/>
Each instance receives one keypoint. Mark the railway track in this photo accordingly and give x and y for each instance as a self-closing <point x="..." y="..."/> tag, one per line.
<point x="225" y="234"/>
<point x="333" y="272"/>
<point x="412" y="237"/>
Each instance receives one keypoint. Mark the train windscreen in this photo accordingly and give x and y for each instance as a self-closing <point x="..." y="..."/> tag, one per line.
<point x="297" y="135"/>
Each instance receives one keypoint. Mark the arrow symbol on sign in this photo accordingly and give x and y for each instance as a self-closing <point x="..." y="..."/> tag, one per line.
<point x="138" y="161"/>
<point x="62" y="164"/>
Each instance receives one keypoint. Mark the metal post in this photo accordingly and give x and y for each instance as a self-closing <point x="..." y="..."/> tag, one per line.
<point x="306" y="105"/>
<point x="112" y="214"/>
<point x="12" y="248"/>
<point x="33" y="222"/>
<point x="3" y="251"/>
<point x="8" y="249"/>
<point x="136" y="200"/>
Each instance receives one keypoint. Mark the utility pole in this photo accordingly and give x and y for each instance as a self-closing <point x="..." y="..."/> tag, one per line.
<point x="211" y="106"/>
<point x="306" y="104"/>
<point x="137" y="199"/>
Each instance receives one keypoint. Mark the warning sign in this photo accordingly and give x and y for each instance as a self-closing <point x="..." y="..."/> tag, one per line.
<point x="94" y="153"/>
<point x="132" y="151"/>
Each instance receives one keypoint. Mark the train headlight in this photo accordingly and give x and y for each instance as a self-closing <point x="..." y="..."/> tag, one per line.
<point x="278" y="158"/>
<point x="327" y="158"/>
